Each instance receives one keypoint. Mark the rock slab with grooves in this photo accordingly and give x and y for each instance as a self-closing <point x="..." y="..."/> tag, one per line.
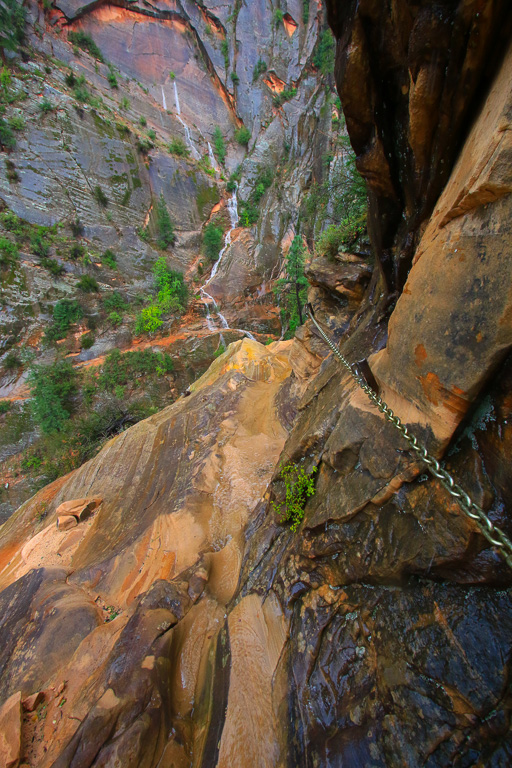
<point x="10" y="731"/>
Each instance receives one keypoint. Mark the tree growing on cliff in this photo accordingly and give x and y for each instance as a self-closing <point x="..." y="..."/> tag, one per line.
<point x="291" y="290"/>
<point x="52" y="387"/>
<point x="164" y="225"/>
<point x="12" y="24"/>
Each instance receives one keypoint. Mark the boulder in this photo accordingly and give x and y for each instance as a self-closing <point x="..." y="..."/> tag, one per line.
<point x="10" y="731"/>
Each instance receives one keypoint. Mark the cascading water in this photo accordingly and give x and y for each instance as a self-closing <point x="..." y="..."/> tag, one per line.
<point x="164" y="102"/>
<point x="194" y="151"/>
<point x="213" y="162"/>
<point x="205" y="296"/>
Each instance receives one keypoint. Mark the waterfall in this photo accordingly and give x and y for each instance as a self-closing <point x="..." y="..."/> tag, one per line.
<point x="194" y="151"/>
<point x="213" y="162"/>
<point x="205" y="296"/>
<point x="164" y="102"/>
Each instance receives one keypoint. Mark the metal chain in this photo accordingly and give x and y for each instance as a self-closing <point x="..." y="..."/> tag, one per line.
<point x="492" y="533"/>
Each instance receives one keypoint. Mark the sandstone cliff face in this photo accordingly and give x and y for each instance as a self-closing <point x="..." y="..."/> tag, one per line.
<point x="378" y="634"/>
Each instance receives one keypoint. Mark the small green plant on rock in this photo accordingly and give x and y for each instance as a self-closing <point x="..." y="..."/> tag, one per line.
<point x="243" y="136"/>
<point x="299" y="486"/>
<point x="179" y="148"/>
<point x="86" y="43"/>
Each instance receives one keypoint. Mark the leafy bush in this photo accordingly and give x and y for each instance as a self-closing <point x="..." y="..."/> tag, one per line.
<point x="39" y="246"/>
<point x="111" y="77"/>
<point x="87" y="340"/>
<point x="205" y="165"/>
<point x="86" y="43"/>
<point x="8" y="252"/>
<point x="115" y="319"/>
<point x="100" y="196"/>
<point x="286" y="95"/>
<point x="52" y="266"/>
<point x="179" y="148"/>
<point x="144" y="145"/>
<point x="46" y="106"/>
<point x="17" y="123"/>
<point x="149" y="320"/>
<point x="305" y="11"/>
<point x="164" y="225"/>
<point x="218" y="143"/>
<point x="5" y="406"/>
<point x="341" y="236"/>
<point x="212" y="241"/>
<point x="65" y="313"/>
<point x="235" y="78"/>
<point x="88" y="284"/>
<point x="259" y="69"/>
<point x="224" y="49"/>
<point x="7" y="140"/>
<point x="52" y="387"/>
<point x="234" y="179"/>
<point x="167" y="279"/>
<point x="114" y="301"/>
<point x="12" y="24"/>
<point x="77" y="251"/>
<point x="109" y="258"/>
<point x="121" y="369"/>
<point x="70" y="79"/>
<point x="152" y="134"/>
<point x="278" y="16"/>
<point x="10" y="221"/>
<point x="243" y="136"/>
<point x="11" y="361"/>
<point x="249" y="211"/>
<point x="299" y="486"/>
<point x="324" y="54"/>
<point x="124" y="103"/>
<point x="291" y="290"/>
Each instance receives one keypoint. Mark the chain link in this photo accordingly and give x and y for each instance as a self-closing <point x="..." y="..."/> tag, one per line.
<point x="492" y="533"/>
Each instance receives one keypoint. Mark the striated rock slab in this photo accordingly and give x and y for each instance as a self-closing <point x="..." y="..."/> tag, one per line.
<point x="10" y="731"/>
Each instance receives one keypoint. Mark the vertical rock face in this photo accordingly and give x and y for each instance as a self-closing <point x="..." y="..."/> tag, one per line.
<point x="410" y="76"/>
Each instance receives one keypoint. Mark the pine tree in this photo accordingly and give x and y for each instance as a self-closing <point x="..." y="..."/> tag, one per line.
<point x="292" y="289"/>
<point x="165" y="227"/>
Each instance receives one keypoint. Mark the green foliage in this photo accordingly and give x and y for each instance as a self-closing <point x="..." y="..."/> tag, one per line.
<point x="143" y="233"/>
<point x="109" y="258"/>
<point x="324" y="54"/>
<point x="77" y="228"/>
<point x="144" y="145"/>
<point x="291" y="290"/>
<point x="278" y="16"/>
<point x="52" y="387"/>
<point x="164" y="225"/>
<point x="123" y="129"/>
<point x="224" y="49"/>
<point x="305" y="10"/>
<point x="218" y="143"/>
<point x="86" y="43"/>
<point x="170" y="280"/>
<point x="219" y="351"/>
<point x="111" y="77"/>
<point x="5" y="407"/>
<point x="65" y="313"/>
<point x="142" y="121"/>
<point x="234" y="77"/>
<point x="12" y="24"/>
<point x="46" y="106"/>
<point x="114" y="301"/>
<point x="52" y="266"/>
<point x="149" y="319"/>
<point x="122" y="369"/>
<point x="286" y="95"/>
<point x="115" y="319"/>
<point x="152" y="134"/>
<point x="172" y="75"/>
<point x="205" y="165"/>
<point x="16" y="122"/>
<point x="11" y="361"/>
<point x="8" y="252"/>
<point x="179" y="148"/>
<point x="212" y="241"/>
<point x="77" y="251"/>
<point x="10" y="221"/>
<point x="87" y="340"/>
<point x="88" y="284"/>
<point x="243" y="136"/>
<point x="299" y="486"/>
<point x="100" y="196"/>
<point x="7" y="140"/>
<point x="249" y="210"/>
<point x="259" y="69"/>
<point x="124" y="103"/>
<point x="39" y="246"/>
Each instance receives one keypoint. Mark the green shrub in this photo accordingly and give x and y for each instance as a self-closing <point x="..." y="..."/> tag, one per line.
<point x="142" y="121"/>
<point x="249" y="211"/>
<point x="12" y="173"/>
<point x="39" y="246"/>
<point x="212" y="241"/>
<point x="259" y="69"/>
<point x="51" y="388"/>
<point x="164" y="225"/>
<point x="5" y="406"/>
<point x="10" y="221"/>
<point x="111" y="77"/>
<point x="77" y="228"/>
<point x="149" y="320"/>
<point x="305" y="11"/>
<point x="46" y="106"/>
<point x="243" y="135"/>
<point x="65" y="313"/>
<point x="179" y="148"/>
<point x="218" y="143"/>
<point x="152" y="134"/>
<point x="123" y="129"/>
<point x="109" y="258"/>
<point x="7" y="140"/>
<point x="70" y="79"/>
<point x="52" y="266"/>
<point x="224" y="49"/>
<point x="12" y="24"/>
<point x="170" y="280"/>
<point x="234" y="179"/>
<point x="77" y="251"/>
<point x="291" y="290"/>
<point x="144" y="145"/>
<point x="278" y="16"/>
<point x="341" y="236"/>
<point x="114" y="301"/>
<point x="8" y="252"/>
<point x="115" y="319"/>
<point x="124" y="103"/>
<point x="11" y="361"/>
<point x="120" y="370"/>
<point x="235" y="78"/>
<point x="286" y="95"/>
<point x="86" y="43"/>
<point x="17" y="123"/>
<point x="205" y="165"/>
<point x="87" y="340"/>
<point x="88" y="284"/>
<point x="323" y="58"/>
<point x="100" y="196"/>
<point x="299" y="486"/>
